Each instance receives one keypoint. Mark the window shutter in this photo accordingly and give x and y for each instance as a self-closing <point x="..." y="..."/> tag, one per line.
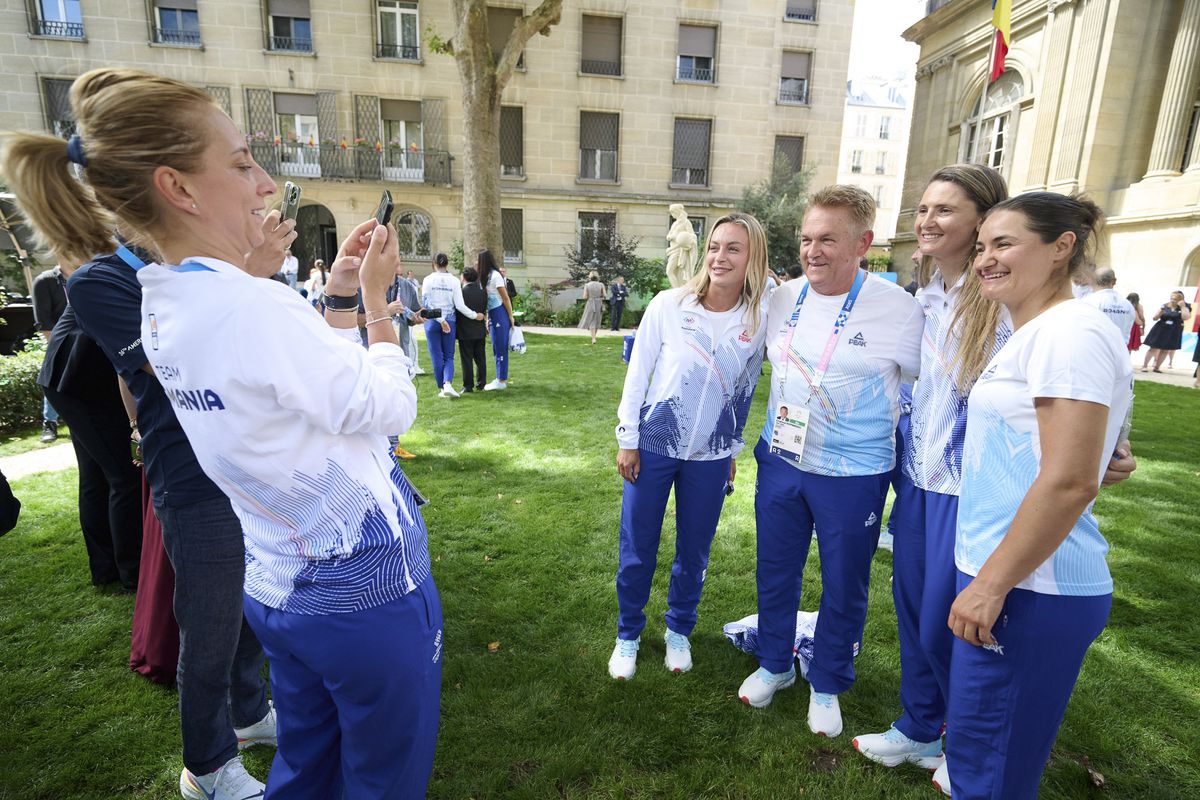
<point x="691" y="144"/>
<point x="796" y="65"/>
<point x="290" y="8"/>
<point x="601" y="39"/>
<point x="597" y="131"/>
<point x="697" y="40"/>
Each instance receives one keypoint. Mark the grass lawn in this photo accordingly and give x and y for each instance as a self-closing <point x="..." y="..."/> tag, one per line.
<point x="29" y="438"/>
<point x="524" y="501"/>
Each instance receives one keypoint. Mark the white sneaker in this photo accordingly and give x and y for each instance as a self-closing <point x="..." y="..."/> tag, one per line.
<point x="418" y="371"/>
<point x="824" y="714"/>
<point x="448" y="390"/>
<point x="760" y="688"/>
<point x="623" y="661"/>
<point x="893" y="748"/>
<point x="941" y="779"/>
<point x="494" y="385"/>
<point x="261" y="732"/>
<point x="230" y="782"/>
<point x="679" y="652"/>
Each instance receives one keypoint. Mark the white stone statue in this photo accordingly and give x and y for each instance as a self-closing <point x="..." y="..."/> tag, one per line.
<point x="681" y="247"/>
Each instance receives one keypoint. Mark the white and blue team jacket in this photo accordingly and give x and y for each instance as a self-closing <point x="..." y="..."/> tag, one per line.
<point x="289" y="418"/>
<point x="691" y="378"/>
<point x="932" y="458"/>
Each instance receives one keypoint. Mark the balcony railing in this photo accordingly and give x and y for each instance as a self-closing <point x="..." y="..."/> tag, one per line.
<point x="57" y="28"/>
<point x="176" y="36"/>
<point x="512" y="170"/>
<point x="334" y="162"/>
<point x="880" y="169"/>
<point x="403" y="52"/>
<point x="689" y="176"/>
<point x="794" y="96"/>
<point x="805" y="13"/>
<point x="290" y="44"/>
<point x="695" y="74"/>
<point x="590" y="66"/>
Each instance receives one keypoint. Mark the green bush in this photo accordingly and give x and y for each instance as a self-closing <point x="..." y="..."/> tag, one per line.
<point x="20" y="395"/>
<point x="569" y="317"/>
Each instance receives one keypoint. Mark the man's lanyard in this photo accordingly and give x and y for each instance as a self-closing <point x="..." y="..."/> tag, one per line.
<point x="785" y="353"/>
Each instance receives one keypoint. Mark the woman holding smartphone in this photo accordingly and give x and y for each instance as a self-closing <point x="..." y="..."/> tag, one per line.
<point x="692" y="374"/>
<point x="1034" y="587"/>
<point x="287" y="414"/>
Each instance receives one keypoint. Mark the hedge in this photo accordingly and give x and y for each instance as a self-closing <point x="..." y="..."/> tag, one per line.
<point x="20" y="395"/>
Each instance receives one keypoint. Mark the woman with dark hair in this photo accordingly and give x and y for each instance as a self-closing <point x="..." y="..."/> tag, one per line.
<point x="1139" y="322"/>
<point x="443" y="292"/>
<point x="287" y="414"/>
<point x="500" y="317"/>
<point x="1034" y="588"/>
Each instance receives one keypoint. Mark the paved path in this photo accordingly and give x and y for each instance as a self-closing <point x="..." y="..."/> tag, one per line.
<point x="62" y="456"/>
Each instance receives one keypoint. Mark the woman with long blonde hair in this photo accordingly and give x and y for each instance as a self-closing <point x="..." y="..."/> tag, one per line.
<point x="692" y="374"/>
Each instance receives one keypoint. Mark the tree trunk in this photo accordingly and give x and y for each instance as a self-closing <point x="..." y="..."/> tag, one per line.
<point x="483" y="80"/>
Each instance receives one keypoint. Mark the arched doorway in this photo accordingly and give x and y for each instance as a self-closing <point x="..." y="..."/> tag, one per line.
<point x="316" y="237"/>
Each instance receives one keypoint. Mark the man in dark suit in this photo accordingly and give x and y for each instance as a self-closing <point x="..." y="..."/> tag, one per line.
<point x="49" y="303"/>
<point x="472" y="333"/>
<point x="616" y="301"/>
<point x="509" y="286"/>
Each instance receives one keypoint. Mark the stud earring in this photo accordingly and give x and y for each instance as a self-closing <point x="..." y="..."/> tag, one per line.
<point x="193" y="205"/>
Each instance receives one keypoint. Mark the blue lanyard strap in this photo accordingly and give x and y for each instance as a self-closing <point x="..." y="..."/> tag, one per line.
<point x="842" y="317"/>
<point x="126" y="255"/>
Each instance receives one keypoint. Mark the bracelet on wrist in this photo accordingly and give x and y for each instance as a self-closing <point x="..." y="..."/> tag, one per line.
<point x="340" y="303"/>
<point x="133" y="424"/>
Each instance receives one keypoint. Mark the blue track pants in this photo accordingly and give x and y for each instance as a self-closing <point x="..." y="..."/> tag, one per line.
<point x="846" y="512"/>
<point x="699" y="495"/>
<point x="1006" y="705"/>
<point x="923" y="587"/>
<point x="441" y="350"/>
<point x="357" y="697"/>
<point x="498" y="326"/>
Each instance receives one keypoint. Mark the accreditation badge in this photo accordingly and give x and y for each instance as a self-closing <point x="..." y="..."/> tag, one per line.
<point x="789" y="433"/>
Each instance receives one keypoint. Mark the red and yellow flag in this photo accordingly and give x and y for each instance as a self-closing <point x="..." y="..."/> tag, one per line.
<point x="1002" y="21"/>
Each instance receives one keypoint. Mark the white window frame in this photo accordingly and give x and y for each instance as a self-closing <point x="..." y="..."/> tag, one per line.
<point x="302" y="161"/>
<point x="987" y="133"/>
<point x="856" y="159"/>
<point x="395" y="11"/>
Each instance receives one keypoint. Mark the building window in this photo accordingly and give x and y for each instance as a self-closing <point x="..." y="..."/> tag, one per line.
<point x="697" y="54"/>
<point x="500" y="26"/>
<point x="512" y="232"/>
<point x="412" y="234"/>
<point x="856" y="158"/>
<point x="61" y="19"/>
<point x="801" y="10"/>
<point x="793" y="83"/>
<point x="399" y="28"/>
<point x="598" y="146"/>
<point x="1189" y="141"/>
<point x="689" y="163"/>
<point x="698" y="225"/>
<point x="878" y="195"/>
<point x="600" y="53"/>
<point x="290" y="26"/>
<point x="986" y="133"/>
<point x="299" y="137"/>
<point x="403" y="147"/>
<point x="789" y="153"/>
<point x="860" y="126"/>
<point x="594" y="229"/>
<point x="56" y="97"/>
<point x="885" y="127"/>
<point x="512" y="142"/>
<point x="176" y="22"/>
<point x="881" y="165"/>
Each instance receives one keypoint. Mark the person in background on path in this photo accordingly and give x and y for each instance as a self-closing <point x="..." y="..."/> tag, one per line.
<point x="1139" y="322"/>
<point x="616" y="303"/>
<point x="698" y="347"/>
<point x="411" y="278"/>
<point x="828" y="464"/>
<point x="441" y="291"/>
<point x="405" y="309"/>
<point x="1167" y="334"/>
<point x="314" y="287"/>
<point x="472" y="334"/>
<point x="593" y="305"/>
<point x="500" y="316"/>
<point x="1034" y="590"/>
<point x="49" y="302"/>
<point x="794" y="272"/>
<point x="508" y="284"/>
<point x="1118" y="310"/>
<point x="291" y="268"/>
<point x="79" y="381"/>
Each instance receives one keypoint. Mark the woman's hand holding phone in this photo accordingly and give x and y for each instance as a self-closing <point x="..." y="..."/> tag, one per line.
<point x="379" y="266"/>
<point x="343" y="279"/>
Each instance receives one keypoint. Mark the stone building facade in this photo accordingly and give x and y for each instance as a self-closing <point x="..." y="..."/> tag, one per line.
<point x="1099" y="96"/>
<point x="875" y="144"/>
<point x="624" y="108"/>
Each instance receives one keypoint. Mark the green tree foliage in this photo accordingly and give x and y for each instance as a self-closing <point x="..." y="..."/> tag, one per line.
<point x="779" y="203"/>
<point x="608" y="253"/>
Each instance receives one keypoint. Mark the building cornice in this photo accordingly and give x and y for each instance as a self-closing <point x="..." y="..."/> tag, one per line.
<point x="1179" y="215"/>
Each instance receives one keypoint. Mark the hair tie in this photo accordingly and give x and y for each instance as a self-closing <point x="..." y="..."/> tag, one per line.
<point x="75" y="152"/>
